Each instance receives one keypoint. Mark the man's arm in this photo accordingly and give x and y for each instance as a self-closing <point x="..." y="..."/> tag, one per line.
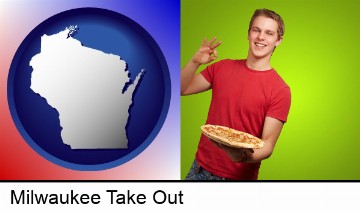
<point x="192" y="83"/>
<point x="271" y="131"/>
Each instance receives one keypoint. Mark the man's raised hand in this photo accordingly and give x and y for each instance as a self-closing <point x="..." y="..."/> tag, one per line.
<point x="207" y="52"/>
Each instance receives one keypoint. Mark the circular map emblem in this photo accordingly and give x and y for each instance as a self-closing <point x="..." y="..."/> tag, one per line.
<point x="89" y="89"/>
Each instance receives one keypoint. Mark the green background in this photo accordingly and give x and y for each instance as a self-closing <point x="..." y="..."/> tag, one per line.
<point x="319" y="60"/>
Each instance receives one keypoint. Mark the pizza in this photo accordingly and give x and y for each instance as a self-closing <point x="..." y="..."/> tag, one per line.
<point x="231" y="137"/>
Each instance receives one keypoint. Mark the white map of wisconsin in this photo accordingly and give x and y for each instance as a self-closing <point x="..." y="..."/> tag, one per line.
<point x="85" y="86"/>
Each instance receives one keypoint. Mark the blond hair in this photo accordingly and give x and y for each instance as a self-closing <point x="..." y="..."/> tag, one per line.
<point x="269" y="14"/>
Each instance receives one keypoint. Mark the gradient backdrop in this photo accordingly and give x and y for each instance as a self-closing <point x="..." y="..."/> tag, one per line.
<point x="318" y="58"/>
<point x="160" y="160"/>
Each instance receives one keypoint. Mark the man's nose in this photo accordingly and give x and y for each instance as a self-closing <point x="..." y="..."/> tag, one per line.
<point x="261" y="36"/>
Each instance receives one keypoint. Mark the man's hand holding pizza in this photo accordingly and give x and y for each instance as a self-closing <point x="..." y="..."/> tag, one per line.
<point x="237" y="155"/>
<point x="270" y="134"/>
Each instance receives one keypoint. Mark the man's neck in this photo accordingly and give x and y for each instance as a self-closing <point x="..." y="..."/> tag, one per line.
<point x="261" y="64"/>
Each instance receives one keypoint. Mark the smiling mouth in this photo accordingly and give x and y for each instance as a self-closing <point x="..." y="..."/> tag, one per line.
<point x="260" y="45"/>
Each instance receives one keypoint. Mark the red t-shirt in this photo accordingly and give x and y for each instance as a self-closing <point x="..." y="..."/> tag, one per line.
<point x="241" y="99"/>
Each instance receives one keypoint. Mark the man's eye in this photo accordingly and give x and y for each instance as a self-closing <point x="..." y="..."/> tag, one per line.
<point x="270" y="33"/>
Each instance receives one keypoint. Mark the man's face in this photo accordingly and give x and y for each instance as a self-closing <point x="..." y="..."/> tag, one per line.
<point x="263" y="37"/>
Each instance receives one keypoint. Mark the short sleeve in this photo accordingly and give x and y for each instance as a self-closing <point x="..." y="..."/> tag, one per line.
<point x="280" y="104"/>
<point x="209" y="72"/>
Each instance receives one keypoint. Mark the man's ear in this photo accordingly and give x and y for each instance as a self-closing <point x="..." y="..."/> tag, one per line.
<point x="279" y="41"/>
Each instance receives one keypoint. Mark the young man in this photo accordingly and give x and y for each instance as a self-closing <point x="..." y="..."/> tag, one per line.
<point x="247" y="95"/>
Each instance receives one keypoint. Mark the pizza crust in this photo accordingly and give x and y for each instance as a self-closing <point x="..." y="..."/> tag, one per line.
<point x="231" y="137"/>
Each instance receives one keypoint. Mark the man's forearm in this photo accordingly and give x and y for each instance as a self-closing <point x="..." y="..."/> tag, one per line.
<point x="187" y="74"/>
<point x="258" y="155"/>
